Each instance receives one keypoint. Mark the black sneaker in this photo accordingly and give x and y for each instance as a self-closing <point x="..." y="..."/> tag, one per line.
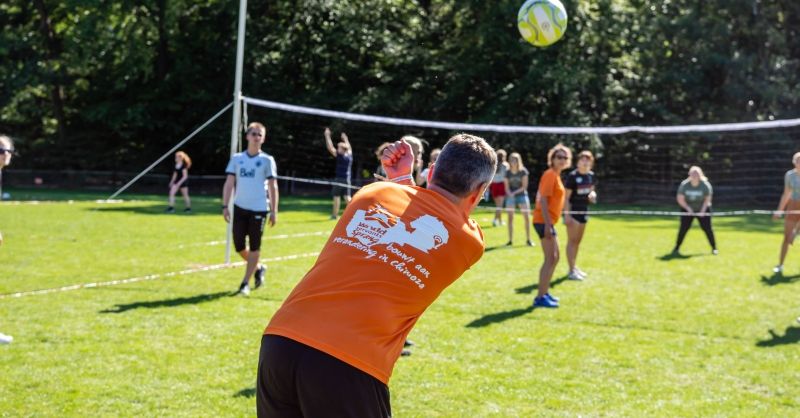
<point x="259" y="276"/>
<point x="244" y="289"/>
<point x="170" y="210"/>
<point x="188" y="210"/>
<point x="408" y="343"/>
<point x="405" y="353"/>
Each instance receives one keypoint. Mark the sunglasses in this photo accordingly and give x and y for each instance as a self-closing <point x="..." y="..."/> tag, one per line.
<point x="6" y="150"/>
<point x="254" y="133"/>
<point x="560" y="157"/>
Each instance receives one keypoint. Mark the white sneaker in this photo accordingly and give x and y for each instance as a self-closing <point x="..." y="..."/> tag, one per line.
<point x="5" y="339"/>
<point x="778" y="269"/>
<point x="574" y="275"/>
<point x="581" y="272"/>
<point x="244" y="290"/>
<point x="495" y="223"/>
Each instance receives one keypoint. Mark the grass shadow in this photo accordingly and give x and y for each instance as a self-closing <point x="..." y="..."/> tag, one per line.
<point x="168" y="303"/>
<point x="157" y="210"/>
<point x="779" y="278"/>
<point x="792" y="336"/>
<point x="246" y="393"/>
<point x="530" y="288"/>
<point x="678" y="256"/>
<point x="498" y="317"/>
<point x="498" y="247"/>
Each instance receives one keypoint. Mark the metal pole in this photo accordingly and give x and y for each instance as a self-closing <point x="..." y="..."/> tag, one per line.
<point x="237" y="111"/>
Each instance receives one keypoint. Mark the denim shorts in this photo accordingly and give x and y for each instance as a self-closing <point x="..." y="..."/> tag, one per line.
<point x="517" y="200"/>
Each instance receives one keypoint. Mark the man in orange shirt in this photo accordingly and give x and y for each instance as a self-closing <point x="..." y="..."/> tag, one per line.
<point x="550" y="203"/>
<point x="331" y="347"/>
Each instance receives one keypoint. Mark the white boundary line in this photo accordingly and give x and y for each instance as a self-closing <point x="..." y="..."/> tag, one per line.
<point x="149" y="277"/>
<point x="284" y="236"/>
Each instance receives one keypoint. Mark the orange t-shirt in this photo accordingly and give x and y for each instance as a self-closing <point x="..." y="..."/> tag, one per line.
<point x="552" y="189"/>
<point x="394" y="250"/>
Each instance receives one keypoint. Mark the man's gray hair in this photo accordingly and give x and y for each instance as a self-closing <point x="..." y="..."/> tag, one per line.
<point x="6" y="141"/>
<point x="466" y="163"/>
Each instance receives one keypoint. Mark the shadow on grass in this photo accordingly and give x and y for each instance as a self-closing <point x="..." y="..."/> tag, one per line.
<point x="157" y="210"/>
<point x="678" y="256"/>
<point x="498" y="317"/>
<point x="779" y="278"/>
<point x="530" y="288"/>
<point x="792" y="336"/>
<point x="246" y="393"/>
<point x="498" y="247"/>
<point x="168" y="303"/>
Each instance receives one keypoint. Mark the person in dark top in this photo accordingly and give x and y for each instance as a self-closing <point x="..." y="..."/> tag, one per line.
<point x="580" y="193"/>
<point x="344" y="162"/>
<point x="694" y="198"/>
<point x="180" y="181"/>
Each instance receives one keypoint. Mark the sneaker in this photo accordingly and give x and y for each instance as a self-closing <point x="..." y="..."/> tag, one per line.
<point x="244" y="289"/>
<point x="5" y="339"/>
<point x="495" y="222"/>
<point x="581" y="272"/>
<point x="544" y="302"/>
<point x="334" y="217"/>
<point x="170" y="210"/>
<point x="574" y="275"/>
<point x="405" y="353"/>
<point x="187" y="210"/>
<point x="508" y="244"/>
<point x="551" y="297"/>
<point x="259" y="276"/>
<point x="714" y="251"/>
<point x="408" y="343"/>
<point x="778" y="269"/>
<point x="529" y="243"/>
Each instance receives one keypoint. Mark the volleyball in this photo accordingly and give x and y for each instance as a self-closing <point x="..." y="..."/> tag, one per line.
<point x="542" y="22"/>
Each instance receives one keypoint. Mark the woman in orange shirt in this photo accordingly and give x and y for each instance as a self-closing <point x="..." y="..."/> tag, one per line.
<point x="550" y="199"/>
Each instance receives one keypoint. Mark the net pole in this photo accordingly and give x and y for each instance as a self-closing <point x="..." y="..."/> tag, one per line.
<point x="237" y="112"/>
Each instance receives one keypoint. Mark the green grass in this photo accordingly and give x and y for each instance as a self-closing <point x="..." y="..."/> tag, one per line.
<point x="644" y="336"/>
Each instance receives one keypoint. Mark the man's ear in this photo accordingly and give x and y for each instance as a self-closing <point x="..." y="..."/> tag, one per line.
<point x="476" y="196"/>
<point x="430" y="173"/>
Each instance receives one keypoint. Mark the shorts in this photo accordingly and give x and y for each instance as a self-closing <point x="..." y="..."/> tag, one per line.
<point x="580" y="218"/>
<point x="497" y="189"/>
<point x="540" y="230"/>
<point x="341" y="191"/>
<point x="248" y="224"/>
<point x="517" y="200"/>
<point x="296" y="380"/>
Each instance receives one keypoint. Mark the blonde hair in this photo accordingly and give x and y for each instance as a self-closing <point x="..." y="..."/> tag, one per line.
<point x="257" y="126"/>
<point x="187" y="162"/>
<point x="559" y="147"/>
<point x="699" y="171"/>
<point x="795" y="157"/>
<point x="516" y="156"/>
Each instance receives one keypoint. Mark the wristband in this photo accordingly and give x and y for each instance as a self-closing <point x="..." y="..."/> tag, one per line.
<point x="224" y="206"/>
<point x="401" y="178"/>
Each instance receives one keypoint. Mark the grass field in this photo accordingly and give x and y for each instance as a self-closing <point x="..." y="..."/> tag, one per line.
<point x="645" y="335"/>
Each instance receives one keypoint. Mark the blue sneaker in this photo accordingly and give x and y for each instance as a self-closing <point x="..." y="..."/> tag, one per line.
<point x="551" y="297"/>
<point x="544" y="302"/>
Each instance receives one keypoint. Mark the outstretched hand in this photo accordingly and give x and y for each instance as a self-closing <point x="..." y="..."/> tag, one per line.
<point x="397" y="159"/>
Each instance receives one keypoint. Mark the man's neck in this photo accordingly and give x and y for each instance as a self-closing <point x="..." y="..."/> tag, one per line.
<point x="458" y="201"/>
<point x="253" y="151"/>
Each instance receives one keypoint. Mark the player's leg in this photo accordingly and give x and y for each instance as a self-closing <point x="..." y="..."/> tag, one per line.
<point x="337" y="202"/>
<point x="789" y="226"/>
<point x="171" y="199"/>
<point x="525" y="208"/>
<point x="551" y="256"/>
<point x="686" y="223"/>
<point x="705" y="224"/>
<point x="510" y="210"/>
<point x="255" y="229"/>
<point x="575" y="233"/>
<point x="186" y="200"/>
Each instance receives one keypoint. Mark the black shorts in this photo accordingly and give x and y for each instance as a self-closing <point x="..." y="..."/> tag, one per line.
<point x="540" y="230"/>
<point x="295" y="380"/>
<point x="341" y="191"/>
<point x="250" y="224"/>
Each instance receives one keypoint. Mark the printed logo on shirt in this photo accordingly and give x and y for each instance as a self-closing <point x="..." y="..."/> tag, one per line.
<point x="243" y="172"/>
<point x="694" y="194"/>
<point x="379" y="233"/>
<point x="258" y="163"/>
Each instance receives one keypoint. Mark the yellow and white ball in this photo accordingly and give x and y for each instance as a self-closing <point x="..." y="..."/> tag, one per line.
<point x="542" y="22"/>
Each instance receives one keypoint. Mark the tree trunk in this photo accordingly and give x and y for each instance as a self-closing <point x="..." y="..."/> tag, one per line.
<point x="53" y="50"/>
<point x="162" y="51"/>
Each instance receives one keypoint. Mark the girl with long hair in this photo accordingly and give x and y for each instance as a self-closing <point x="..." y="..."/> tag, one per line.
<point x="180" y="181"/>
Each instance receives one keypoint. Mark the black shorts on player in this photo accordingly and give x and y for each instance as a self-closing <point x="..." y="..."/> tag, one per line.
<point x="540" y="230"/>
<point x="582" y="218"/>
<point x="341" y="191"/>
<point x="248" y="224"/>
<point x="295" y="380"/>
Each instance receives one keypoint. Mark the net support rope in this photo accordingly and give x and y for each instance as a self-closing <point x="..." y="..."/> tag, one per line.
<point x="173" y="149"/>
<point x="564" y="130"/>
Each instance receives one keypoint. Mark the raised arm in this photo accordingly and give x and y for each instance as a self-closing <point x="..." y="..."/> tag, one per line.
<point x="397" y="161"/>
<point x="346" y="141"/>
<point x="329" y="142"/>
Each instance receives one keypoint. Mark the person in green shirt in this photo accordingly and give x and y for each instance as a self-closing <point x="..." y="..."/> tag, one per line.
<point x="694" y="198"/>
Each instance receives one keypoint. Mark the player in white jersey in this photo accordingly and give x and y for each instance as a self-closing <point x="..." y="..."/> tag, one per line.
<point x="253" y="176"/>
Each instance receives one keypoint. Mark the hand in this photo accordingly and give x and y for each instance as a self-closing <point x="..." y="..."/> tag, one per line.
<point x="397" y="159"/>
<point x="226" y="215"/>
<point x="327" y="133"/>
<point x="273" y="219"/>
<point x="776" y="215"/>
<point x="344" y="137"/>
<point x="593" y="197"/>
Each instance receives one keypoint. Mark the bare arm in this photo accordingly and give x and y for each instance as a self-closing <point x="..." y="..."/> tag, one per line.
<point x="567" y="207"/>
<point x="787" y="194"/>
<point x="272" y="189"/>
<point x="706" y="204"/>
<point x="681" y="199"/>
<point x="508" y="187"/>
<point x="172" y="180"/>
<point x="227" y="192"/>
<point x="346" y="141"/>
<point x="329" y="142"/>
<point x="397" y="161"/>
